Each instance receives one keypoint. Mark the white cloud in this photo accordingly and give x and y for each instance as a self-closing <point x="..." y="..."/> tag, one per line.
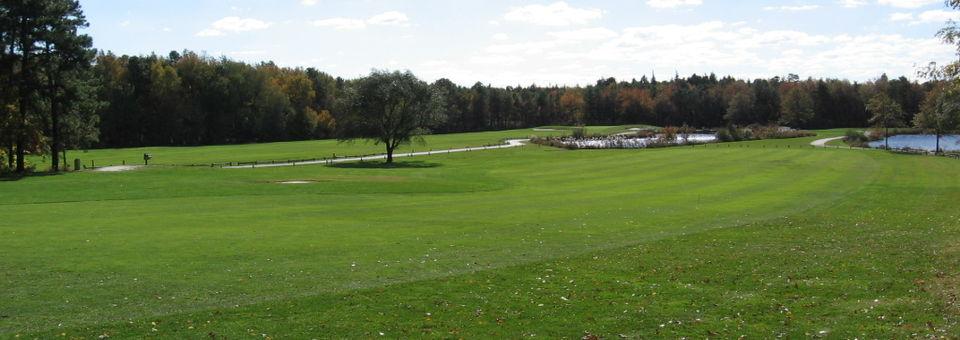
<point x="501" y="37"/>
<point x="233" y="24"/>
<point x="598" y="33"/>
<point x="853" y="3"/>
<point x="503" y="60"/>
<point x="937" y="16"/>
<point x="391" y="18"/>
<point x="716" y="46"/>
<point x="908" y="3"/>
<point x="209" y="32"/>
<point x="555" y="14"/>
<point x="787" y="8"/>
<point x="673" y="3"/>
<point x="901" y="17"/>
<point x="308" y="2"/>
<point x="341" y="23"/>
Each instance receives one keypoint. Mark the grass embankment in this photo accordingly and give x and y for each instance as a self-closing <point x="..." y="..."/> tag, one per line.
<point x="760" y="241"/>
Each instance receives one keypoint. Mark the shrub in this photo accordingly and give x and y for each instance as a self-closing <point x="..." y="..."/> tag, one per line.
<point x="579" y="132"/>
<point x="669" y="134"/>
<point x="731" y="134"/>
<point x="758" y="132"/>
<point x="855" y="138"/>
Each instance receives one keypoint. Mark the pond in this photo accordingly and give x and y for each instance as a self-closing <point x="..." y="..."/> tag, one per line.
<point x="628" y="142"/>
<point x="921" y="142"/>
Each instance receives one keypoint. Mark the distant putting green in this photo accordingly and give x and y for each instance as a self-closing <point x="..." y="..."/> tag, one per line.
<point x="760" y="239"/>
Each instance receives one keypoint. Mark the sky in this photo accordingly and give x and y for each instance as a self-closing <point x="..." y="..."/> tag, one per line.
<point x="510" y="43"/>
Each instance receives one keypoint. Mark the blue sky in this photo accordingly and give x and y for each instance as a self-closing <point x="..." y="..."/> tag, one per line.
<point x="542" y="42"/>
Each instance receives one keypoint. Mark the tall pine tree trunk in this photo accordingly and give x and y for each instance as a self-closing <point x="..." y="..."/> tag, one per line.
<point x="10" y="155"/>
<point x="22" y="129"/>
<point x="937" y="150"/>
<point x="54" y="121"/>
<point x="886" y="137"/>
<point x="55" y="134"/>
<point x="26" y="48"/>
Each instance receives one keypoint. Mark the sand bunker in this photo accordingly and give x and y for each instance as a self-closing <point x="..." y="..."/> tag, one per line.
<point x="118" y="168"/>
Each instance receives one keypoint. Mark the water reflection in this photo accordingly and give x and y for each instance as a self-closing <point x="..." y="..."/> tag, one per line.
<point x="921" y="142"/>
<point x="628" y="142"/>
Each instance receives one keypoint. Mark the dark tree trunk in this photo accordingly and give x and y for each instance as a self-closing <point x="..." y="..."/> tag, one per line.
<point x="55" y="135"/>
<point x="10" y="155"/>
<point x="25" y="49"/>
<point x="937" y="150"/>
<point x="21" y="131"/>
<point x="21" y="166"/>
<point x="886" y="137"/>
<point x="390" y="149"/>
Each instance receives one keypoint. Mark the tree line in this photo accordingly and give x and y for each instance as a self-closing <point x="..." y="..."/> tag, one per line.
<point x="189" y="99"/>
<point x="59" y="93"/>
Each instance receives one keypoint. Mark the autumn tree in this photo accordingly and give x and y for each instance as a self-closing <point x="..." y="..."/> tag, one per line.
<point x="886" y="114"/>
<point x="636" y="105"/>
<point x="572" y="105"/>
<point x="796" y="108"/>
<point x="940" y="112"/>
<point x="741" y="108"/>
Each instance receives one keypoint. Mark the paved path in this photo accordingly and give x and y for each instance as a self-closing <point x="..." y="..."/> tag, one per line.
<point x="509" y="144"/>
<point x="823" y="142"/>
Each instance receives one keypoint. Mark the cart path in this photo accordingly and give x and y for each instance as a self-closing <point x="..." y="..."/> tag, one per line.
<point x="511" y="143"/>
<point x="823" y="142"/>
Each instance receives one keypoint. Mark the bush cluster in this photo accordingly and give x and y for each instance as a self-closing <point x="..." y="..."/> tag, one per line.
<point x="856" y="138"/>
<point x="758" y="132"/>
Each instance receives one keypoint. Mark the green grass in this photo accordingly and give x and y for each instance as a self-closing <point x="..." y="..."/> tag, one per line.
<point x="281" y="151"/>
<point x="763" y="239"/>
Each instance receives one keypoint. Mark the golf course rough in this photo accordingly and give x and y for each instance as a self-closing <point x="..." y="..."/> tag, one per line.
<point x="761" y="239"/>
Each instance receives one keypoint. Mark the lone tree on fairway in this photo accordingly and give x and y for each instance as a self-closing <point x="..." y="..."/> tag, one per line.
<point x="392" y="108"/>
<point x="886" y="114"/>
<point x="940" y="112"/>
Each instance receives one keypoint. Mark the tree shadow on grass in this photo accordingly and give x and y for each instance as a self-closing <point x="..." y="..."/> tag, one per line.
<point x="385" y="165"/>
<point x="13" y="177"/>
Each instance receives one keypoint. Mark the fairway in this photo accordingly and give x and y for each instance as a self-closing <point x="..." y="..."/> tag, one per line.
<point x="299" y="150"/>
<point x="749" y="238"/>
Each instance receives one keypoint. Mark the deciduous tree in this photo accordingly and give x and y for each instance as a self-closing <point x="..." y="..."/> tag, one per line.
<point x="940" y="112"/>
<point x="886" y="114"/>
<point x="391" y="108"/>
